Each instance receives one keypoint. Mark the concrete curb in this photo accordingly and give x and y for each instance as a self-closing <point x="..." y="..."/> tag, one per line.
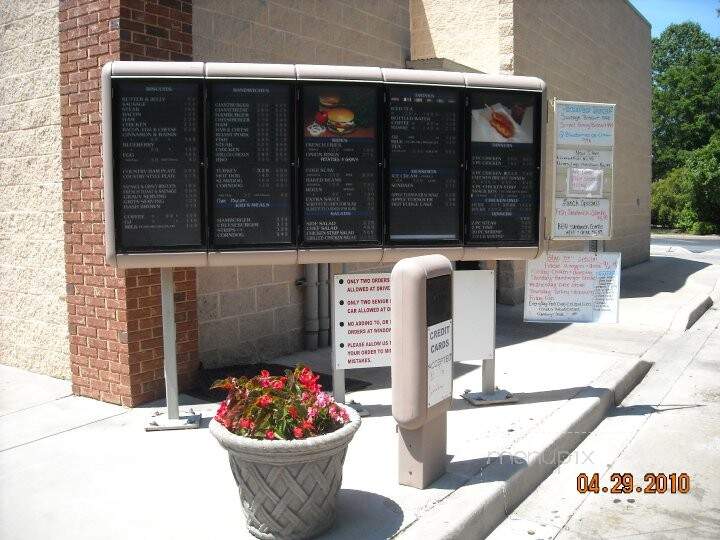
<point x="690" y="313"/>
<point x="485" y="500"/>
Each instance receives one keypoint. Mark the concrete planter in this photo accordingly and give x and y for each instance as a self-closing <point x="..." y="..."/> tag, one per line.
<point x="288" y="488"/>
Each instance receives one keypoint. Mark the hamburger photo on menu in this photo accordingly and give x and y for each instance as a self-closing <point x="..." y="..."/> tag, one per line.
<point x="338" y="112"/>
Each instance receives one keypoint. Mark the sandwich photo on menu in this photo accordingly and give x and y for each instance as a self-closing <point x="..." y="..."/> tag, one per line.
<point x="502" y="119"/>
<point x="338" y="112"/>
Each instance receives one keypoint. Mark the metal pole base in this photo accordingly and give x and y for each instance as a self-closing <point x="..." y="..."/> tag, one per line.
<point x="362" y="411"/>
<point x="498" y="397"/>
<point x="160" y="421"/>
<point x="422" y="453"/>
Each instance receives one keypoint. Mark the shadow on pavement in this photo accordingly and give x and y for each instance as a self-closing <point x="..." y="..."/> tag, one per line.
<point x="659" y="274"/>
<point x="362" y="514"/>
<point x="641" y="410"/>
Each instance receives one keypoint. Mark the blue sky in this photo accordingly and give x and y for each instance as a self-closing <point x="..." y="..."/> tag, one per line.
<point x="661" y="13"/>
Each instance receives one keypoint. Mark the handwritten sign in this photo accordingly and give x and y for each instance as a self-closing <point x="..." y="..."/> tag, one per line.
<point x="362" y="320"/>
<point x="440" y="362"/>
<point x="581" y="218"/>
<point x="583" y="180"/>
<point x="585" y="123"/>
<point x="587" y="182"/>
<point x="571" y="286"/>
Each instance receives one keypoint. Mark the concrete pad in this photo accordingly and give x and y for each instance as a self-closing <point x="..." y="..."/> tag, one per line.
<point x="20" y="389"/>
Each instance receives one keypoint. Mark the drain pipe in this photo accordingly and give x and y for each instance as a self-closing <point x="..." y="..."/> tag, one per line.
<point x="310" y="307"/>
<point x="324" y="305"/>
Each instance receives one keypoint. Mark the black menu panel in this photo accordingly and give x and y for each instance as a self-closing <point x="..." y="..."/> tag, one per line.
<point x="424" y="162"/>
<point x="339" y="167"/>
<point x="157" y="149"/>
<point x="250" y="163"/>
<point x="504" y="169"/>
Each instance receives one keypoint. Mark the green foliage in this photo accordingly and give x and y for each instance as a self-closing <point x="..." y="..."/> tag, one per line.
<point x="686" y="94"/>
<point x="688" y="197"/>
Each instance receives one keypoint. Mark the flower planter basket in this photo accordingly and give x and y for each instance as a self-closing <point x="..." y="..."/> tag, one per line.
<point x="288" y="488"/>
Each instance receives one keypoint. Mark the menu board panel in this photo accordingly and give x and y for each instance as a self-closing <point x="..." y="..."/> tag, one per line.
<point x="250" y="163"/>
<point x="339" y="168"/>
<point x="424" y="162"/>
<point x="157" y="149"/>
<point x="504" y="169"/>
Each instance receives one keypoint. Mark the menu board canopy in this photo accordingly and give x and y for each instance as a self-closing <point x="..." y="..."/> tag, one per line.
<point x="253" y="166"/>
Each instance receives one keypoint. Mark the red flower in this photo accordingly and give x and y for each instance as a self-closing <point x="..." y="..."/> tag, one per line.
<point x="264" y="400"/>
<point x="246" y="423"/>
<point x="264" y="378"/>
<point x="220" y="414"/>
<point x="307" y="425"/>
<point x="309" y="380"/>
<point x="298" y="432"/>
<point x="292" y="411"/>
<point x="269" y="434"/>
<point x="278" y="384"/>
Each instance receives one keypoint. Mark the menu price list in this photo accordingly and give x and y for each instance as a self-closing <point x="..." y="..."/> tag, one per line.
<point x="157" y="164"/>
<point x="503" y="193"/>
<point x="424" y="164"/>
<point x="340" y="172"/>
<point x="250" y="163"/>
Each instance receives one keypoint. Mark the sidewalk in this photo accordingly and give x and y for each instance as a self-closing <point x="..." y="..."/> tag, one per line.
<point x="668" y="424"/>
<point x="75" y="468"/>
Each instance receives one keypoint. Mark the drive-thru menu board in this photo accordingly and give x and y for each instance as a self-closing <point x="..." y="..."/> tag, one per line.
<point x="362" y="320"/>
<point x="571" y="286"/>
<point x="584" y="145"/>
<point x="157" y="157"/>
<point x="424" y="162"/>
<point x="250" y="163"/>
<point x="504" y="180"/>
<point x="340" y="172"/>
<point x="221" y="163"/>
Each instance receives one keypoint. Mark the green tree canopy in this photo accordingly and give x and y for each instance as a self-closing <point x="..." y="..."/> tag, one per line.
<point x="686" y="94"/>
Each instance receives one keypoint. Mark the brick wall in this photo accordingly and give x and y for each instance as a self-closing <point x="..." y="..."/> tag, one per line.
<point x="114" y="315"/>
<point x="249" y="314"/>
<point x="33" y="316"/>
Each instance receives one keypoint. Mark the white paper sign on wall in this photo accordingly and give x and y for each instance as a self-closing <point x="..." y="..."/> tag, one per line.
<point x="573" y="286"/>
<point x="440" y="362"/>
<point x="584" y="148"/>
<point x="362" y="320"/>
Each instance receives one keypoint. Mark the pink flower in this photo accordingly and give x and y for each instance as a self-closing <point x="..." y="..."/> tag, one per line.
<point x="298" y="432"/>
<point x="264" y="378"/>
<point x="269" y="434"/>
<point x="264" y="400"/>
<point x="323" y="399"/>
<point x="312" y="413"/>
<point x="278" y="384"/>
<point x="338" y="414"/>
<point x="220" y="414"/>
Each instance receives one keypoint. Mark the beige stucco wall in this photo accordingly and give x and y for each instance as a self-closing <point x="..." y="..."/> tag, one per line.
<point x="474" y="33"/>
<point x="598" y="51"/>
<point x="33" y="313"/>
<point x="251" y="314"/>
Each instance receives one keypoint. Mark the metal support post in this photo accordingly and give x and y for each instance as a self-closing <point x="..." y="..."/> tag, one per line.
<point x="490" y="394"/>
<point x="171" y="419"/>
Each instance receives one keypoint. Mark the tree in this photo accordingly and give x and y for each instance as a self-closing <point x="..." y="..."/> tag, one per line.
<point x="686" y="94"/>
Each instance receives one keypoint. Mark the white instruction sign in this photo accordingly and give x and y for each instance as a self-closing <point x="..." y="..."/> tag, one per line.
<point x="584" y="148"/>
<point x="581" y="217"/>
<point x="362" y="320"/>
<point x="573" y="286"/>
<point x="440" y="362"/>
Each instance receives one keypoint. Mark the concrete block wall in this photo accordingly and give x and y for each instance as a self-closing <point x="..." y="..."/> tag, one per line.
<point x="33" y="313"/>
<point x="249" y="314"/>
